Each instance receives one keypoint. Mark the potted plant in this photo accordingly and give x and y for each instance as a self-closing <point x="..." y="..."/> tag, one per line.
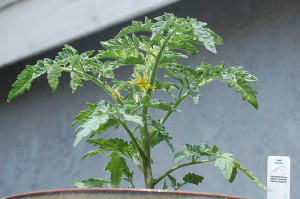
<point x="147" y="47"/>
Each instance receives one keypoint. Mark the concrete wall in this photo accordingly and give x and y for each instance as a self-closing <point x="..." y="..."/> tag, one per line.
<point x="57" y="22"/>
<point x="36" y="135"/>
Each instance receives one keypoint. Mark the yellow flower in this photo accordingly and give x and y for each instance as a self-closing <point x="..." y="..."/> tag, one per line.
<point x="142" y="82"/>
<point x="115" y="92"/>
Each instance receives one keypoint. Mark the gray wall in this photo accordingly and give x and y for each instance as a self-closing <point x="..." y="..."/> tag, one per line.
<point x="36" y="135"/>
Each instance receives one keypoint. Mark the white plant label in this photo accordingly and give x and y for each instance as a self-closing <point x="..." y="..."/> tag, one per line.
<point x="279" y="177"/>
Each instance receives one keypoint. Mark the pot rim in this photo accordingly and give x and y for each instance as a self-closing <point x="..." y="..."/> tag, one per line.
<point x="119" y="190"/>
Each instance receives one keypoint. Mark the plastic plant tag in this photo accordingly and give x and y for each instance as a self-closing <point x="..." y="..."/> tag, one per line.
<point x="278" y="177"/>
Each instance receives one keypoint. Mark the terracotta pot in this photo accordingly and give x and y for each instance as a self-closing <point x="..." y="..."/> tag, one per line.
<point x="118" y="194"/>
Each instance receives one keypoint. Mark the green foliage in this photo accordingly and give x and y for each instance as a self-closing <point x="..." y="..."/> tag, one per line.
<point x="225" y="163"/>
<point x="146" y="47"/>
<point x="188" y="178"/>
<point x="251" y="176"/>
<point x="116" y="167"/>
<point x="91" y="182"/>
<point x="160" y="135"/>
<point x="195" y="151"/>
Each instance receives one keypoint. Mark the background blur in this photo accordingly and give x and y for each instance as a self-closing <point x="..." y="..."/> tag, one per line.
<point x="36" y="135"/>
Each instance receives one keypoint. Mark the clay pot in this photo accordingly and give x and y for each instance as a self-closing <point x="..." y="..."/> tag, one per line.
<point x="118" y="194"/>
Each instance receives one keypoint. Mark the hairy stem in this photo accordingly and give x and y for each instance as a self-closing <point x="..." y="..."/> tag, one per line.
<point x="144" y="130"/>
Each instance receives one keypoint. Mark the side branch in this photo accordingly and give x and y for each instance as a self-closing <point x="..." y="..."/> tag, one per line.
<point x="177" y="167"/>
<point x="133" y="138"/>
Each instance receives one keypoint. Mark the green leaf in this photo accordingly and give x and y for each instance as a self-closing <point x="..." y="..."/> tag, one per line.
<point x="22" y="83"/>
<point x="91" y="182"/>
<point x="91" y="153"/>
<point x="123" y="43"/>
<point x="103" y="127"/>
<point x="165" y="185"/>
<point x="192" y="178"/>
<point x="136" y="26"/>
<point x="158" y="29"/>
<point x="41" y="67"/>
<point x="131" y="118"/>
<point x="75" y="81"/>
<point x="113" y="145"/>
<point x="67" y="54"/>
<point x="203" y="35"/>
<point x="97" y="117"/>
<point x="130" y="61"/>
<point x="173" y="181"/>
<point x="240" y="79"/>
<point x="196" y="151"/>
<point x="217" y="38"/>
<point x="30" y="73"/>
<point x="225" y="163"/>
<point x="128" y="177"/>
<point x="161" y="135"/>
<point x="251" y="176"/>
<point x="194" y="93"/>
<point x="156" y="103"/>
<point x="116" y="167"/>
<point x="124" y="57"/>
<point x="180" y="156"/>
<point x="53" y="73"/>
<point x="189" y="48"/>
<point x="84" y="115"/>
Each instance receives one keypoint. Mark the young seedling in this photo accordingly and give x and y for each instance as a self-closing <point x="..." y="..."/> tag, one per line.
<point x="147" y="47"/>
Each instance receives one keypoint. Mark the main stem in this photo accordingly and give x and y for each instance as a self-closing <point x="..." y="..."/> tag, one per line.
<point x="145" y="135"/>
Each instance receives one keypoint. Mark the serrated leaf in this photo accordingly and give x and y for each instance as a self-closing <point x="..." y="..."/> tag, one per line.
<point x="161" y="135"/>
<point x="68" y="52"/>
<point x="53" y="74"/>
<point x="124" y="57"/>
<point x="75" y="81"/>
<point x="84" y="115"/>
<point x="251" y="176"/>
<point x="113" y="145"/>
<point x="194" y="150"/>
<point x="41" y="67"/>
<point x="203" y="35"/>
<point x="103" y="127"/>
<point x="173" y="181"/>
<point x="89" y="53"/>
<point x="97" y="117"/>
<point x="136" y="26"/>
<point x="116" y="167"/>
<point x="194" y="93"/>
<point x="240" y="79"/>
<point x="174" y="55"/>
<point x="91" y="182"/>
<point x="180" y="156"/>
<point x="123" y="43"/>
<point x="193" y="178"/>
<point x="91" y="153"/>
<point x="130" y="61"/>
<point x="22" y="83"/>
<point x="217" y="38"/>
<point x="131" y="118"/>
<point x="225" y="163"/>
<point x="189" y="48"/>
<point x="156" y="103"/>
<point x="158" y="28"/>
